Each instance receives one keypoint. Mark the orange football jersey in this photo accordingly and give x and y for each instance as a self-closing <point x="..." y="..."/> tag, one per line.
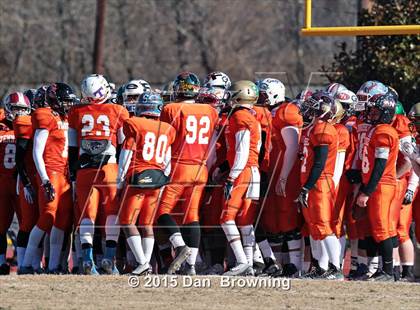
<point x="194" y="125"/>
<point x="243" y="119"/>
<point x="401" y="124"/>
<point x="351" y="149"/>
<point x="381" y="136"/>
<point x="7" y="152"/>
<point x="150" y="140"/>
<point x="321" y="133"/>
<point x="343" y="137"/>
<point x="263" y="116"/>
<point x="285" y="115"/>
<point x="97" y="121"/>
<point x="56" y="150"/>
<point x="22" y="126"/>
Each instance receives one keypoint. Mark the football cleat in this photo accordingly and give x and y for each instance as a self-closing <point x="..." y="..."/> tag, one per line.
<point x="188" y="270"/>
<point x="240" y="270"/>
<point x="408" y="275"/>
<point x="290" y="271"/>
<point x="271" y="268"/>
<point x="108" y="266"/>
<point x="258" y="268"/>
<point x="141" y="270"/>
<point x="381" y="276"/>
<point x="333" y="274"/>
<point x="4" y="269"/>
<point x="181" y="255"/>
<point x="216" y="269"/>
<point x="25" y="270"/>
<point x="89" y="268"/>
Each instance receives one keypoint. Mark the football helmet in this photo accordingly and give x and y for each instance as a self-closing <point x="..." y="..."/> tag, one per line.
<point x="243" y="94"/>
<point x="380" y="109"/>
<point x="131" y="93"/>
<point x="348" y="101"/>
<point x="186" y="86"/>
<point x="16" y="104"/>
<point x="211" y="96"/>
<point x="393" y="93"/>
<point x="30" y="93"/>
<point x="272" y="92"/>
<point x="217" y="79"/>
<point x="399" y="108"/>
<point x="370" y="89"/>
<point x="95" y="89"/>
<point x="40" y="99"/>
<point x="167" y="92"/>
<point x="119" y="98"/>
<point x="60" y="97"/>
<point x="414" y="116"/>
<point x="334" y="88"/>
<point x="149" y="104"/>
<point x="340" y="112"/>
<point x="321" y="105"/>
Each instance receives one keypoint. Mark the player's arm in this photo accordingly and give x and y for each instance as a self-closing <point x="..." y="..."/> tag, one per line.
<point x="290" y="135"/>
<point x="320" y="158"/>
<point x="123" y="165"/>
<point x="381" y="158"/>
<point x="413" y="183"/>
<point x="242" y="146"/>
<point x="339" y="166"/>
<point x="22" y="145"/>
<point x="167" y="162"/>
<point x="405" y="167"/>
<point x="40" y="141"/>
<point x="73" y="153"/>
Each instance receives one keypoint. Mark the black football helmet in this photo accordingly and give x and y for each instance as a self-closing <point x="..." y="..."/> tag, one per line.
<point x="186" y="86"/>
<point x="60" y="97"/>
<point x="380" y="109"/>
<point x="320" y="105"/>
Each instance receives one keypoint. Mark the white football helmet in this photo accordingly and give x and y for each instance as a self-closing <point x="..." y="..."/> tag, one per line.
<point x="272" y="91"/>
<point x="348" y="101"/>
<point x="132" y="91"/>
<point x="16" y="104"/>
<point x="217" y="79"/>
<point x="95" y="89"/>
<point x="334" y="88"/>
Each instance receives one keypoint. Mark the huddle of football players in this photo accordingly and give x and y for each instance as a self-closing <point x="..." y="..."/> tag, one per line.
<point x="230" y="178"/>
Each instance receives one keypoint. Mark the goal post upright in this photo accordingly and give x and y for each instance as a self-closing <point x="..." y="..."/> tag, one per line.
<point x="354" y="30"/>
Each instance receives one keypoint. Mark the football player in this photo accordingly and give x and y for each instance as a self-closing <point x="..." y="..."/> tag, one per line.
<point x="95" y="131"/>
<point x="367" y="258"/>
<point x="318" y="193"/>
<point x="279" y="214"/>
<point x="8" y="197"/>
<point x="50" y="153"/>
<point x="195" y="125"/>
<point x="379" y="159"/>
<point x="18" y="110"/>
<point x="145" y="163"/>
<point x="243" y="139"/>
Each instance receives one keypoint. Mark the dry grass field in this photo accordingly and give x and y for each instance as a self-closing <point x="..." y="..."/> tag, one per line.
<point x="113" y="292"/>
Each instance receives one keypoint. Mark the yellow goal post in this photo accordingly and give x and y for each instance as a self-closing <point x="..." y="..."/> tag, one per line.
<point x="354" y="30"/>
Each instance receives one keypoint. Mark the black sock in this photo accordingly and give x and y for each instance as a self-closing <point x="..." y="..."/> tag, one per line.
<point x="385" y="250"/>
<point x="86" y="246"/>
<point x="111" y="244"/>
<point x="168" y="224"/>
<point x="3" y="244"/>
<point x="260" y="234"/>
<point x="22" y="239"/>
<point x="407" y="270"/>
<point x="191" y="234"/>
<point x="371" y="247"/>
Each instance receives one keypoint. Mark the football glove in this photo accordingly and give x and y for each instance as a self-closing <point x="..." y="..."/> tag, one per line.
<point x="302" y="199"/>
<point x="228" y="189"/>
<point x="408" y="197"/>
<point x="29" y="193"/>
<point x="49" y="191"/>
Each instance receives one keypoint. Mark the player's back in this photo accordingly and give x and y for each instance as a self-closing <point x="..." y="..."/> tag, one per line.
<point x="98" y="122"/>
<point x="150" y="139"/>
<point x="194" y="125"/>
